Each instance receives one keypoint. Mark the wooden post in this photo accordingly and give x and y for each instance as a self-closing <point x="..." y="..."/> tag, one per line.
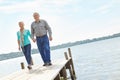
<point x="68" y="66"/>
<point x="71" y="62"/>
<point x="57" y="77"/>
<point x="63" y="73"/>
<point x="66" y="56"/>
<point x="22" y="65"/>
<point x="70" y="70"/>
<point x="69" y="51"/>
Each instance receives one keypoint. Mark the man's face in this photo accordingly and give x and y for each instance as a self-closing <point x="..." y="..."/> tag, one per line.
<point x="36" y="16"/>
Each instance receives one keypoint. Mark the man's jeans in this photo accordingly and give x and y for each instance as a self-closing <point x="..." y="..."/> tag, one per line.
<point x="27" y="52"/>
<point x="44" y="48"/>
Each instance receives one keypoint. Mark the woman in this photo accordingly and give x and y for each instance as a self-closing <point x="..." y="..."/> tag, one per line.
<point x="24" y="43"/>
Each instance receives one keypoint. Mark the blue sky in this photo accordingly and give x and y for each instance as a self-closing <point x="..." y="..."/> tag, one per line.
<point x="70" y="20"/>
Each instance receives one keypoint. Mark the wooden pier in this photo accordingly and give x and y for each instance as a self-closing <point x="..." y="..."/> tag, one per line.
<point x="55" y="72"/>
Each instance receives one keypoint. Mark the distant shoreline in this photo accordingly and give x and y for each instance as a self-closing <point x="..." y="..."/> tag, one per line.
<point x="34" y="51"/>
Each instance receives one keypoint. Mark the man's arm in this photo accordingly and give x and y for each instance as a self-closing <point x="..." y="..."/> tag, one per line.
<point x="49" y="30"/>
<point x="32" y="33"/>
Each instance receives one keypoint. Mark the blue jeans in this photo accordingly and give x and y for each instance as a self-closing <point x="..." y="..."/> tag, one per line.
<point x="27" y="53"/>
<point x="44" y="48"/>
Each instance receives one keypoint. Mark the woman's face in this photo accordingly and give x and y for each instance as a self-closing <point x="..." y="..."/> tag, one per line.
<point x="21" y="25"/>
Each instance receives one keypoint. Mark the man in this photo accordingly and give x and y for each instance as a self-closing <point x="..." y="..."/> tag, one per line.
<point x="39" y="28"/>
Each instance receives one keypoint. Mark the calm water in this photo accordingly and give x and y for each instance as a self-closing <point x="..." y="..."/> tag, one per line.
<point x="93" y="61"/>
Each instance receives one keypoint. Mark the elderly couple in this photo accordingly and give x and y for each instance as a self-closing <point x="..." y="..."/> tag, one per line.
<point x="39" y="29"/>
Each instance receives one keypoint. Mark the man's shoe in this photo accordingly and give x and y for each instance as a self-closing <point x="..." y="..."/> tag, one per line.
<point x="47" y="64"/>
<point x="50" y="64"/>
<point x="44" y="64"/>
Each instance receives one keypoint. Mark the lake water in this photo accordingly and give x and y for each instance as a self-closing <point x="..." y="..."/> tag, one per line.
<point x="93" y="61"/>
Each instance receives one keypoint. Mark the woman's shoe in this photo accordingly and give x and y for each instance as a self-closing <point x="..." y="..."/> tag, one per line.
<point x="29" y="67"/>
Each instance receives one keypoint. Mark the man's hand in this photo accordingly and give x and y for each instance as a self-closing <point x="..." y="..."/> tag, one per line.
<point x="50" y="38"/>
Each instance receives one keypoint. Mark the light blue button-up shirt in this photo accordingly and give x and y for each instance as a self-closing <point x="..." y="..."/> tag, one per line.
<point x="26" y="35"/>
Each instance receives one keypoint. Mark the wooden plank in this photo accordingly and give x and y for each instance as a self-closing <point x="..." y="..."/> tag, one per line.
<point x="63" y="73"/>
<point x="57" y="77"/>
<point x="38" y="72"/>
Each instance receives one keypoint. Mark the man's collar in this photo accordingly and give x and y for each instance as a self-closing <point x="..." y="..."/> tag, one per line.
<point x="37" y="22"/>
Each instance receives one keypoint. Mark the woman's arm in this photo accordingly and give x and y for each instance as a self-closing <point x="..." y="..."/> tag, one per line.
<point x="31" y="36"/>
<point x="18" y="40"/>
<point x="18" y="44"/>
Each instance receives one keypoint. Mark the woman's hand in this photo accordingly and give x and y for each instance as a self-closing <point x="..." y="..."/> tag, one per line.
<point x="19" y="48"/>
<point x="34" y="40"/>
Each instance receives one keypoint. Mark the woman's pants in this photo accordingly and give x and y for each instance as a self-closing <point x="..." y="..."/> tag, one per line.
<point x="27" y="53"/>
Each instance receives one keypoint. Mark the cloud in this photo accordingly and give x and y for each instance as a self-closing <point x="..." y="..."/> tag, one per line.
<point x="6" y="2"/>
<point x="102" y="9"/>
<point x="1" y="0"/>
<point x="116" y="1"/>
<point x="18" y="7"/>
<point x="32" y="5"/>
<point x="61" y="2"/>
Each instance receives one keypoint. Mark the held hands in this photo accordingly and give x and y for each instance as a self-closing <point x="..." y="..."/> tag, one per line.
<point x="34" y="40"/>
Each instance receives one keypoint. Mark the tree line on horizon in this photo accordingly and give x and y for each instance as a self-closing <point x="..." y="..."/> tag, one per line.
<point x="34" y="51"/>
